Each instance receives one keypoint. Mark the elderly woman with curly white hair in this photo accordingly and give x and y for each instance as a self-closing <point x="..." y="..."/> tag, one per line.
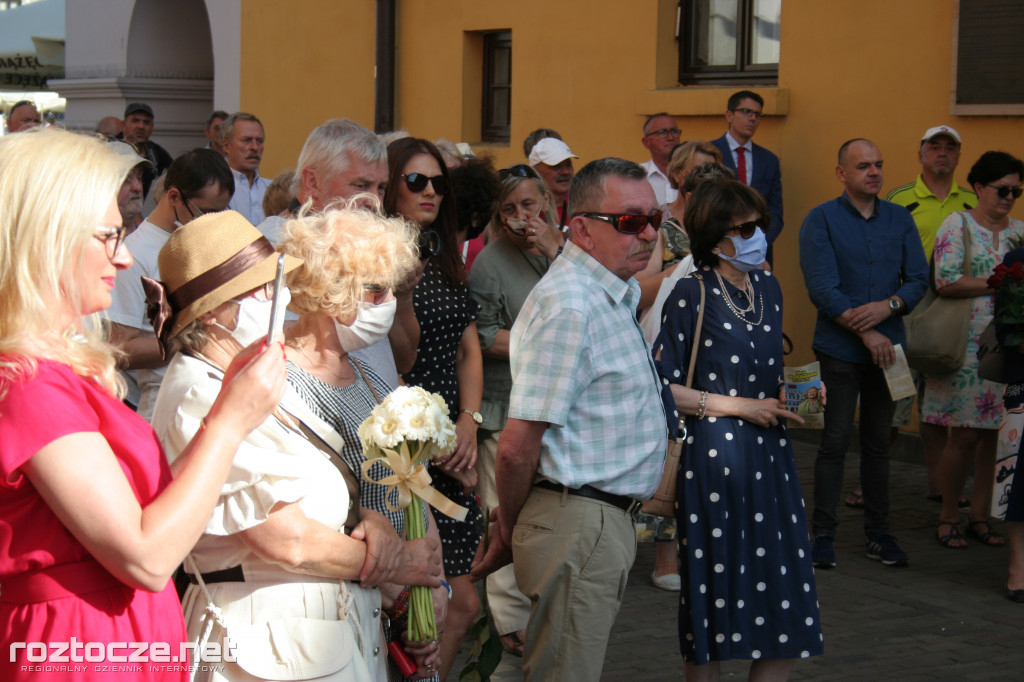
<point x="353" y="257"/>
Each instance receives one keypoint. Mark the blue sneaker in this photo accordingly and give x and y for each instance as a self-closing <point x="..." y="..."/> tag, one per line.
<point x="823" y="553"/>
<point x="884" y="548"/>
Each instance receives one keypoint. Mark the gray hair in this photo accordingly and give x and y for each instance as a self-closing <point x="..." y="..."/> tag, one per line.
<point x="227" y="127"/>
<point x="327" y="148"/>
<point x="587" y="189"/>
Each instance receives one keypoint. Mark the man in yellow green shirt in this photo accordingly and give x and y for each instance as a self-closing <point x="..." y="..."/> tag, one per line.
<point x="935" y="194"/>
<point x="931" y="199"/>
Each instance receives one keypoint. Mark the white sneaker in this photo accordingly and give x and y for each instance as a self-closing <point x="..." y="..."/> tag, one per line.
<point x="670" y="582"/>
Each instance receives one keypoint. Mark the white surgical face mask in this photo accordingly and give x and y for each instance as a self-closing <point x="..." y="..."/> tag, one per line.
<point x="372" y="324"/>
<point x="750" y="253"/>
<point x="254" y="318"/>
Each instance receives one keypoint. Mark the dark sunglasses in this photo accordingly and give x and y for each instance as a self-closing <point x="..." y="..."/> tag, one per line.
<point x="520" y="170"/>
<point x="375" y="293"/>
<point x="417" y="182"/>
<point x="746" y="230"/>
<point x="626" y="223"/>
<point x="1003" y="191"/>
<point x="429" y="243"/>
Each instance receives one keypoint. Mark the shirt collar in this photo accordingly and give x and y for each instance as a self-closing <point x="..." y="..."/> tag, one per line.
<point x="613" y="285"/>
<point x="733" y="143"/>
<point x="922" y="191"/>
<point x="845" y="201"/>
<point x="239" y="175"/>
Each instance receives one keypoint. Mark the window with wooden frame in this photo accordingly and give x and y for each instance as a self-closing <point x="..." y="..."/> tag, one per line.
<point x="497" y="87"/>
<point x="729" y="41"/>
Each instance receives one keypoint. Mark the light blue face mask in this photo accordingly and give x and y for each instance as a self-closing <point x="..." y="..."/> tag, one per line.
<point x="750" y="253"/>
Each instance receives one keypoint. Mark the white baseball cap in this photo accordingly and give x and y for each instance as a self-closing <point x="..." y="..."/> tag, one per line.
<point x="941" y="130"/>
<point x="551" y="151"/>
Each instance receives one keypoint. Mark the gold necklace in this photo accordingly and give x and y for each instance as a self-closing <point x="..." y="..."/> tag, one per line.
<point x="735" y="309"/>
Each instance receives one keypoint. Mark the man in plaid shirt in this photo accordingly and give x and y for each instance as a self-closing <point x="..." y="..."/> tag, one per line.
<point x="586" y="434"/>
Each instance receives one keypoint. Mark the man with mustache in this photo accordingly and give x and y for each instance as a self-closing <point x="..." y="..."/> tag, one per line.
<point x="129" y="197"/>
<point x="864" y="268"/>
<point x="552" y="159"/>
<point x="571" y="466"/>
<point x="242" y="138"/>
<point x="931" y="199"/>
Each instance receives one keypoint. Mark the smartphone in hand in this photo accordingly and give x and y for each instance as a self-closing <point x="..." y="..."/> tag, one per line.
<point x="276" y="331"/>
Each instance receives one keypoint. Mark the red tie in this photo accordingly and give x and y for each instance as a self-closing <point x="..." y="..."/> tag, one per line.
<point x="741" y="165"/>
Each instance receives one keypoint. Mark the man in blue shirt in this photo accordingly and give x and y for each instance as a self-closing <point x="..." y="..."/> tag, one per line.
<point x="864" y="268"/>
<point x="582" y="442"/>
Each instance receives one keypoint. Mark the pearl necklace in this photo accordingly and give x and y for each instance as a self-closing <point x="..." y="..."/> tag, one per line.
<point x="735" y="309"/>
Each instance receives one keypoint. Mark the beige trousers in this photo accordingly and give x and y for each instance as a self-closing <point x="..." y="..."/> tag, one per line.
<point x="510" y="610"/>
<point x="572" y="560"/>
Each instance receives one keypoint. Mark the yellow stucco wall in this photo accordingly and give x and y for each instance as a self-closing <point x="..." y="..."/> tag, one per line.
<point x="592" y="69"/>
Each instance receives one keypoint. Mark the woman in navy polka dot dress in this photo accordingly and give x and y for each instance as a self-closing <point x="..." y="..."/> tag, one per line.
<point x="448" y="360"/>
<point x="748" y="587"/>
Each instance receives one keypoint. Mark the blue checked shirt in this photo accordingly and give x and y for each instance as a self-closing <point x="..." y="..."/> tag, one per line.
<point x="580" y="363"/>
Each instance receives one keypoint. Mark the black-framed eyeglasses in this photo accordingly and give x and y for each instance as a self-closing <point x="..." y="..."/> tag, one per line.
<point x="520" y="170"/>
<point x="746" y="230"/>
<point x="112" y="238"/>
<point x="748" y="112"/>
<point x="667" y="132"/>
<point x="375" y="293"/>
<point x="429" y="243"/>
<point x="417" y="182"/>
<point x="1005" y="190"/>
<point x="626" y="223"/>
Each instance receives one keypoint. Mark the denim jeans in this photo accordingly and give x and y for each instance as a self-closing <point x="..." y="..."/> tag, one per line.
<point x="844" y="381"/>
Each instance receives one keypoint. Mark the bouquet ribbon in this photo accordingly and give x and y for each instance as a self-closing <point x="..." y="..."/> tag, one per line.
<point x="409" y="480"/>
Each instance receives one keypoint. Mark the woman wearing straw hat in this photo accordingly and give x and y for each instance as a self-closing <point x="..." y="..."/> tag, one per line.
<point x="271" y="571"/>
<point x="93" y="521"/>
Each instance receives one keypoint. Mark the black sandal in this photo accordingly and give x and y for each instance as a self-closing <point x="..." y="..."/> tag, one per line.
<point x="953" y="534"/>
<point x="990" y="537"/>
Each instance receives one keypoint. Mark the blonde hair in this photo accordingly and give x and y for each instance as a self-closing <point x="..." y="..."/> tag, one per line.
<point x="279" y="193"/>
<point x="343" y="248"/>
<point x="683" y="154"/>
<point x="55" y="187"/>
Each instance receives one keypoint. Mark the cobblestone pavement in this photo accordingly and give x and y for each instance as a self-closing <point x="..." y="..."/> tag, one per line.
<point x="944" y="618"/>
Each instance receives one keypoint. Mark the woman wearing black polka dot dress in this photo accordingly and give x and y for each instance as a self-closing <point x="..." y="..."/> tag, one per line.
<point x="748" y="587"/>
<point x="448" y="360"/>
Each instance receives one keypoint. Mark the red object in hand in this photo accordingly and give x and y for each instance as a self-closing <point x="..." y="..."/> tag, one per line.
<point x="404" y="662"/>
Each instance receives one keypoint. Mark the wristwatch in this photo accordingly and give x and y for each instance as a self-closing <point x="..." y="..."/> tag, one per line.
<point x="477" y="417"/>
<point x="895" y="306"/>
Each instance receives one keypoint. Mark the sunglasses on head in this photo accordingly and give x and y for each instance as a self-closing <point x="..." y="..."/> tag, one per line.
<point x="1004" y="191"/>
<point x="520" y="170"/>
<point x="746" y="230"/>
<point x="417" y="182"/>
<point x="627" y="223"/>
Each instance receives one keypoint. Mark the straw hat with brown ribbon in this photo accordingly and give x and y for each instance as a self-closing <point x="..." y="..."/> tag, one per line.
<point x="209" y="261"/>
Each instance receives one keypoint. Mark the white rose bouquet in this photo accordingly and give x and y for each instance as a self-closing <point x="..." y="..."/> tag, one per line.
<point x="407" y="430"/>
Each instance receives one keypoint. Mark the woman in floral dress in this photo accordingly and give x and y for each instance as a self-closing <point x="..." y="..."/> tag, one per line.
<point x="962" y="399"/>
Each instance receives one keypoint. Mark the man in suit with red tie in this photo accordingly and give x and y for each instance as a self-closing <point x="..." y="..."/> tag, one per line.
<point x="753" y="164"/>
